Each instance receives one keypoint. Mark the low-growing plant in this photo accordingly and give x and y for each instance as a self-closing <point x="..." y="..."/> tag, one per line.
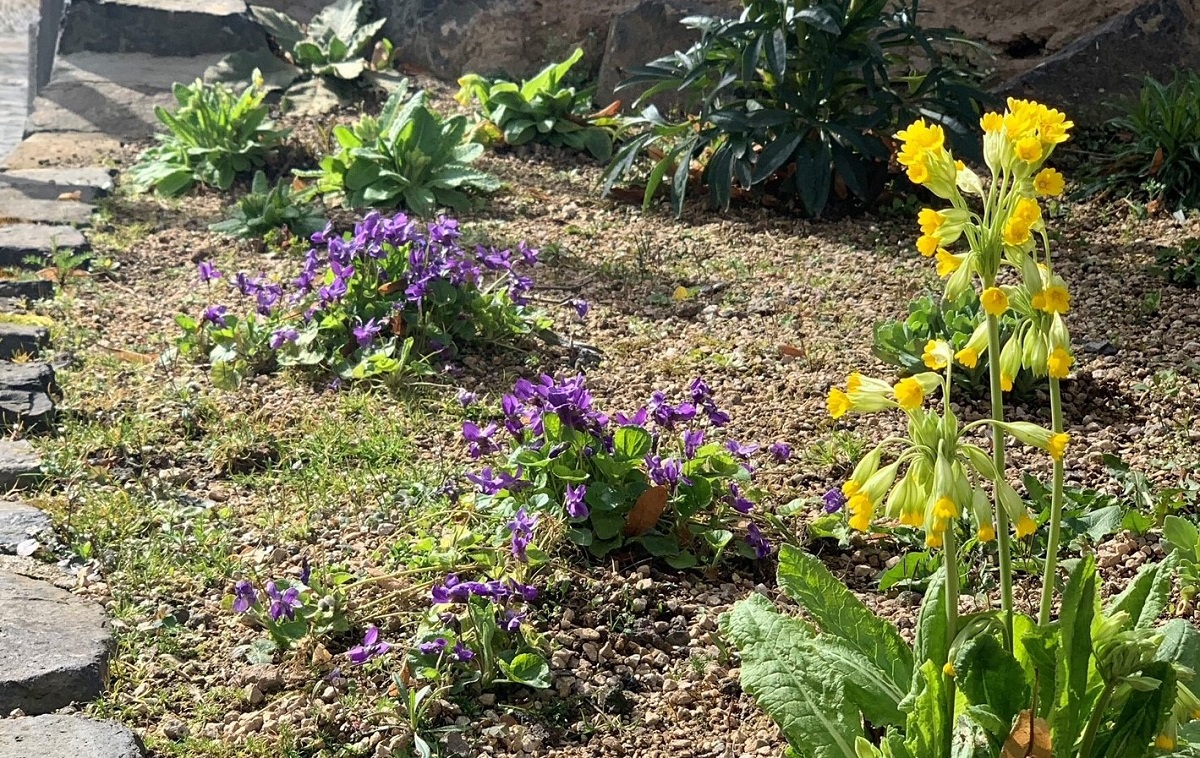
<point x="338" y="45"/>
<point x="1182" y="540"/>
<point x="930" y="317"/>
<point x="1179" y="265"/>
<point x="654" y="479"/>
<point x="795" y="98"/>
<point x="212" y="137"/>
<point x="1162" y="157"/>
<point x="387" y="300"/>
<point x="409" y="156"/>
<point x="268" y="209"/>
<point x="540" y="109"/>
<point x="291" y="610"/>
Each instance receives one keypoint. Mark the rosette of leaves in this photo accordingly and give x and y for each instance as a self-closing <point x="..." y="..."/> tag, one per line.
<point x="212" y="137"/>
<point x="338" y="46"/>
<point x="902" y="343"/>
<point x="409" y="156"/>
<point x="796" y="99"/>
<point x="267" y="209"/>
<point x="540" y="109"/>
<point x="843" y="682"/>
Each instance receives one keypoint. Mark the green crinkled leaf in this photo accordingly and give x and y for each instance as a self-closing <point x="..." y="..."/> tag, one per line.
<point x="990" y="677"/>
<point x="1148" y="595"/>
<point x="841" y="615"/>
<point x="1181" y="644"/>
<point x="1079" y="602"/>
<point x="931" y="642"/>
<point x="528" y="669"/>
<point x="1141" y="718"/>
<point x="927" y="719"/>
<point x="632" y="442"/>
<point x="787" y="677"/>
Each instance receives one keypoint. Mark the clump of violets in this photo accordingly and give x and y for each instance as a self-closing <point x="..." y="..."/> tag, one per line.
<point x="603" y="473"/>
<point x="290" y="610"/>
<point x="391" y="297"/>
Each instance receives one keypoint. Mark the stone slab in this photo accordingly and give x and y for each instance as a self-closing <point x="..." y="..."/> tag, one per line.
<point x="20" y="465"/>
<point x="52" y="183"/>
<point x="159" y="27"/>
<point x="27" y="289"/>
<point x="25" y="390"/>
<point x="19" y="522"/>
<point x="21" y="241"/>
<point x="67" y="736"/>
<point x="54" y="647"/>
<point x="63" y="149"/>
<point x="21" y="340"/>
<point x="15" y="206"/>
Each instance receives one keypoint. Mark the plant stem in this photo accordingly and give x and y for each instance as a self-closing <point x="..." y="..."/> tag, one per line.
<point x="1003" y="542"/>
<point x="950" y="547"/>
<point x="1056" y="505"/>
<point x="1089" y="735"/>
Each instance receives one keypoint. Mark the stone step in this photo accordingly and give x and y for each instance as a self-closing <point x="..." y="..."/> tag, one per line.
<point x="67" y="736"/>
<point x="54" y="647"/>
<point x="52" y="183"/>
<point x="15" y="206"/>
<point x="26" y="289"/>
<point x="19" y="242"/>
<point x="20" y="466"/>
<point x="22" y="340"/>
<point x="111" y="93"/>
<point x="159" y="27"/>
<point x="63" y="150"/>
<point x="25" y="390"/>
<point x="19" y="523"/>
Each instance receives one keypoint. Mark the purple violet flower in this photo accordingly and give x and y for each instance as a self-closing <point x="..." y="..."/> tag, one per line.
<point x="372" y="647"/>
<point x="834" y="501"/>
<point x="573" y="501"/>
<point x="737" y="500"/>
<point x="716" y="416"/>
<point x="283" y="603"/>
<point x="215" y="315"/>
<point x="443" y="593"/>
<point x="756" y="540"/>
<point x="244" y="596"/>
<point x="780" y="451"/>
<point x="741" y="451"/>
<point x="490" y="482"/>
<point x="480" y="442"/>
<point x="462" y="653"/>
<point x="699" y="391"/>
<point x="365" y="334"/>
<point x="692" y="440"/>
<point x="521" y="528"/>
<point x="280" y="337"/>
<point x="467" y="399"/>
<point x="581" y="308"/>
<point x="512" y="621"/>
<point x="432" y="648"/>
<point x="667" y="471"/>
<point x="208" y="272"/>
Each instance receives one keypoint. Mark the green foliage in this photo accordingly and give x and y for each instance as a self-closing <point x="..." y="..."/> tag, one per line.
<point x="796" y="98"/>
<point x="930" y="317"/>
<point x="1179" y="265"/>
<point x="291" y="611"/>
<point x="267" y="209"/>
<point x="540" y="109"/>
<point x="1162" y="156"/>
<point x="1183" y="540"/>
<point x="409" y="156"/>
<point x="213" y="136"/>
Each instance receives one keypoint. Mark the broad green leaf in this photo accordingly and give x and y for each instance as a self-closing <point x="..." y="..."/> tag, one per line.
<point x="528" y="669"/>
<point x="286" y="30"/>
<point x="1079" y="602"/>
<point x="989" y="676"/>
<point x="1148" y="595"/>
<point x="931" y="642"/>
<point x="632" y="442"/>
<point x="1182" y="536"/>
<point x="1181" y="644"/>
<point x="844" y="616"/>
<point x="781" y="670"/>
<point x="927" y="721"/>
<point x="1141" y="718"/>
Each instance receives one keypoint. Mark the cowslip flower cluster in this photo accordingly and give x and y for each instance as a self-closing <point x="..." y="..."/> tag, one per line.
<point x="362" y="295"/>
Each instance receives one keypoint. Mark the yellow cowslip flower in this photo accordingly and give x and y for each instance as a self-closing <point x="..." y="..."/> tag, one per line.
<point x="838" y="403"/>
<point x="1021" y="119"/>
<point x="994" y="301"/>
<point x="976" y="346"/>
<point x="948" y="262"/>
<point x="927" y="245"/>
<point x="986" y="533"/>
<point x="934" y="540"/>
<point x="1053" y="126"/>
<point x="1058" y="364"/>
<point x="921" y="137"/>
<point x="1015" y="232"/>
<point x="1025" y="526"/>
<point x="967" y="357"/>
<point x="861" y="511"/>
<point x="991" y="122"/>
<point x="909" y="394"/>
<point x="945" y="509"/>
<point x="1055" y="299"/>
<point x="938" y="354"/>
<point x="918" y="173"/>
<point x="1049" y="183"/>
<point x="1028" y="211"/>
<point x="1029" y="149"/>
<point x="1164" y="741"/>
<point x="930" y="221"/>
<point x="1058" y="445"/>
<point x="948" y="670"/>
<point x="851" y="488"/>
<point x="1010" y="362"/>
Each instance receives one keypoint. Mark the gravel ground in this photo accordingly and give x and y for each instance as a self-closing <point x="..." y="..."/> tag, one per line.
<point x="784" y="310"/>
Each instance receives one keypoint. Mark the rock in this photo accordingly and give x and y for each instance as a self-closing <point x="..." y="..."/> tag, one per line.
<point x="650" y="30"/>
<point x="21" y="241"/>
<point x="52" y="183"/>
<point x="62" y="149"/>
<point x="27" y="289"/>
<point x="21" y="339"/>
<point x="54" y="647"/>
<point x="1153" y="38"/>
<point x="67" y="736"/>
<point x="19" y="465"/>
<point x="15" y="205"/>
<point x="159" y="27"/>
<point x="176" y="730"/>
<point x="25" y="395"/>
<point x="19" y="522"/>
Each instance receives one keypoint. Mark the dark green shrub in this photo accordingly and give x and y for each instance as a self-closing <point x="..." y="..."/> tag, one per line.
<point x="267" y="209"/>
<point x="797" y="98"/>
<point x="1179" y="265"/>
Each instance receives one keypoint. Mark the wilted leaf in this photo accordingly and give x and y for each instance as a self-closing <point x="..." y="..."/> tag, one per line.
<point x="1157" y="162"/>
<point x="1030" y="738"/>
<point x="76" y="195"/>
<point x="391" y="287"/>
<point x="646" y="511"/>
<point x="791" y="351"/>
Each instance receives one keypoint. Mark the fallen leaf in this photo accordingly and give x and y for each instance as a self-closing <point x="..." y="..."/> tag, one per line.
<point x="129" y="355"/>
<point x="321" y="656"/>
<point x="391" y="287"/>
<point x="681" y="293"/>
<point x="1030" y="738"/>
<point x="612" y="109"/>
<point x="646" y="511"/>
<point x="299" y="185"/>
<point x="76" y="195"/>
<point x="791" y="351"/>
<point x="1157" y="162"/>
<point x="398" y="324"/>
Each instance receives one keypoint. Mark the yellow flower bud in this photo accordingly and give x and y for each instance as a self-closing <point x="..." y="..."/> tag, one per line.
<point x="1058" y="364"/>
<point x="927" y="245"/>
<point x="1058" y="445"/>
<point x="1025" y="526"/>
<point x="947" y="262"/>
<point x="948" y="669"/>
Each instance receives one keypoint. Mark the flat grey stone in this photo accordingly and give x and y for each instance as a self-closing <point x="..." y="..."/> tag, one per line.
<point x="15" y="206"/>
<point x="159" y="27"/>
<point x="12" y="304"/>
<point x="19" y="522"/>
<point x="66" y="736"/>
<point x="21" y="340"/>
<point x="20" y="465"/>
<point x="25" y="395"/>
<point x="63" y="149"/>
<point x="26" y="289"/>
<point x="21" y="241"/>
<point x="54" y="647"/>
<point x="51" y="183"/>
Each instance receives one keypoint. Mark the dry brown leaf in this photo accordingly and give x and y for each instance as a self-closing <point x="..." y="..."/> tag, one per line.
<point x="1157" y="163"/>
<point x="1030" y="738"/>
<point x="391" y="287"/>
<point x="76" y="195"/>
<point x="791" y="351"/>
<point x="129" y="355"/>
<point x="398" y="324"/>
<point x="299" y="185"/>
<point x="646" y="511"/>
